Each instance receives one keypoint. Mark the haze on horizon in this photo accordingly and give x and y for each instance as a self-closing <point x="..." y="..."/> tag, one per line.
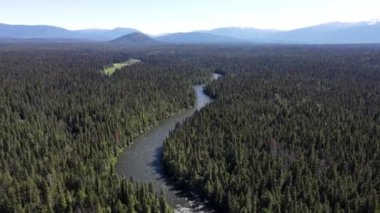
<point x="165" y="16"/>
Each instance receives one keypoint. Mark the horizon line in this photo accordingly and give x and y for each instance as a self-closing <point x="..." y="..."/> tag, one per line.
<point x="371" y="21"/>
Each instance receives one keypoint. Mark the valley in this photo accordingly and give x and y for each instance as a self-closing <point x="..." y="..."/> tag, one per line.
<point x="286" y="127"/>
<point x="197" y="106"/>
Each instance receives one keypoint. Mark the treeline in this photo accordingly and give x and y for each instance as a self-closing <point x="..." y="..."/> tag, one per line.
<point x="63" y="122"/>
<point x="292" y="129"/>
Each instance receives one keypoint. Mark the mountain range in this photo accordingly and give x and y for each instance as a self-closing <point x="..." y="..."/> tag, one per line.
<point x="50" y="32"/>
<point x="330" y="33"/>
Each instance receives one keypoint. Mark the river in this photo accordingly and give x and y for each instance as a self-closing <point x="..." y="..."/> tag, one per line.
<point x="142" y="159"/>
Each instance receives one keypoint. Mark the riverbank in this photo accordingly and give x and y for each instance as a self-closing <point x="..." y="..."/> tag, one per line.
<point x="142" y="159"/>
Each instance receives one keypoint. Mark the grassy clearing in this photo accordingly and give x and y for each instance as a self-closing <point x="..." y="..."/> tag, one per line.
<point x="112" y="69"/>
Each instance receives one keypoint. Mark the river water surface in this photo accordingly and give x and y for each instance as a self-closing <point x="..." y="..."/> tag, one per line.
<point x="142" y="159"/>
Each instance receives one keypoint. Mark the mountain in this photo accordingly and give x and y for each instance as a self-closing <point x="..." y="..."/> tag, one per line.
<point x="247" y="34"/>
<point x="50" y="32"/>
<point x="197" y="38"/>
<point x="134" y="38"/>
<point x="106" y="35"/>
<point x="331" y="33"/>
<point x="364" y="33"/>
<point x="36" y="31"/>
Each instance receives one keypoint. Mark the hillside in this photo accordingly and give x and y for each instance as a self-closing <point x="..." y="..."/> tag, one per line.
<point x="51" y="32"/>
<point x="248" y="34"/>
<point x="329" y="33"/>
<point x="197" y="38"/>
<point x="134" y="38"/>
<point x="37" y="31"/>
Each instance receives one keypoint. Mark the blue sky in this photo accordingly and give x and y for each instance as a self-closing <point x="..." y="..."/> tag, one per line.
<point x="163" y="16"/>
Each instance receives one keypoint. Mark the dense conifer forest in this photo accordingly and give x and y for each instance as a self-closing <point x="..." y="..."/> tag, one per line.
<point x="292" y="129"/>
<point x="63" y="122"/>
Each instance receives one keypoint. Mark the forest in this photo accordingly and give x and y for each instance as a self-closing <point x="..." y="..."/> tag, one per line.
<point x="292" y="129"/>
<point x="63" y="123"/>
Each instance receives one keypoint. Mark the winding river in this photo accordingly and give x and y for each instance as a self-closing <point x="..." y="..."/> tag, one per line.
<point x="142" y="159"/>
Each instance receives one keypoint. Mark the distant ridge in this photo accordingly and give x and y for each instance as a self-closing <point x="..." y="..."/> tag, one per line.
<point x="134" y="38"/>
<point x="106" y="35"/>
<point x="198" y="38"/>
<point x="51" y="32"/>
<point x="330" y="33"/>
<point x="243" y="33"/>
<point x="35" y="31"/>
